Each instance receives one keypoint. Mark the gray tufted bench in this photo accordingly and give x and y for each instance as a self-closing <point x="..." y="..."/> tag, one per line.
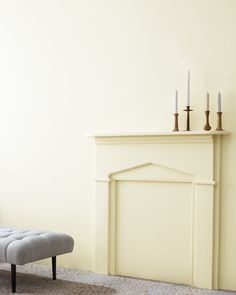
<point x="20" y="246"/>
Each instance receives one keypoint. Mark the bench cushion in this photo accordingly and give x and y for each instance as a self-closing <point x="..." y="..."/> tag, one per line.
<point x="20" y="246"/>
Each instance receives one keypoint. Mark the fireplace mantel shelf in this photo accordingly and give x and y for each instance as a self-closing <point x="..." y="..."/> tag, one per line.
<point x="154" y="134"/>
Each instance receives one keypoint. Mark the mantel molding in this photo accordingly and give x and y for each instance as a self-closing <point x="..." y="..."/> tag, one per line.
<point x="157" y="137"/>
<point x="155" y="134"/>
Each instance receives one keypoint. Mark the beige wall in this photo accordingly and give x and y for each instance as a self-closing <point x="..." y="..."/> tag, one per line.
<point x="72" y="67"/>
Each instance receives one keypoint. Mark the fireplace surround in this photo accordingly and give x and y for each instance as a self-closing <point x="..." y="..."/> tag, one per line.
<point x="157" y="206"/>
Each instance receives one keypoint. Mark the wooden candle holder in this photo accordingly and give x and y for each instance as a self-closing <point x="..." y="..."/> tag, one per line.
<point x="188" y="110"/>
<point x="207" y="126"/>
<point x="176" y="122"/>
<point x="219" y="121"/>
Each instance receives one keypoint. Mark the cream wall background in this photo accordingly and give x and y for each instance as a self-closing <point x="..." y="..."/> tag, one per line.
<point x="70" y="67"/>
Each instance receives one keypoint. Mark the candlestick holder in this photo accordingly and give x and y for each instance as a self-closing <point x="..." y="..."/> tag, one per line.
<point x="176" y="115"/>
<point x="207" y="125"/>
<point x="188" y="110"/>
<point x="219" y="121"/>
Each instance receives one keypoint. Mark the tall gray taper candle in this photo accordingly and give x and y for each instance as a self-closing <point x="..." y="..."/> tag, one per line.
<point x="188" y="89"/>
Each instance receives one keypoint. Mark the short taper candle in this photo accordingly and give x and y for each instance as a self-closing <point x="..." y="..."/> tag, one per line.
<point x="176" y="102"/>
<point x="219" y="102"/>
<point x="207" y="102"/>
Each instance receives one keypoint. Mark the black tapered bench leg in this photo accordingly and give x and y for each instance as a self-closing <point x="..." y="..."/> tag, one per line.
<point x="54" y="268"/>
<point x="13" y="278"/>
<point x="13" y="273"/>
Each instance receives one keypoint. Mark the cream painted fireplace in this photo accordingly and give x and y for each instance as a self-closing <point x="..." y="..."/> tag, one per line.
<point x="157" y="206"/>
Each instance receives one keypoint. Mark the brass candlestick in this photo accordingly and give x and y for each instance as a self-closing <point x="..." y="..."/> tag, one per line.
<point x="176" y="122"/>
<point x="207" y="125"/>
<point x="188" y="110"/>
<point x="219" y="121"/>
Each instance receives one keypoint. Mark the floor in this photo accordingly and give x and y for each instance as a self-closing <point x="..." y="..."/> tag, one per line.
<point x="90" y="283"/>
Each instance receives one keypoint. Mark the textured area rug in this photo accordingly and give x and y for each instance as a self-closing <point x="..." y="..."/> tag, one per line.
<point x="32" y="284"/>
<point x="36" y="279"/>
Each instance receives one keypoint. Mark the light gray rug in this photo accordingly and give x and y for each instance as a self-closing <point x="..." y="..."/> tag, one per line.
<point x="36" y="279"/>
